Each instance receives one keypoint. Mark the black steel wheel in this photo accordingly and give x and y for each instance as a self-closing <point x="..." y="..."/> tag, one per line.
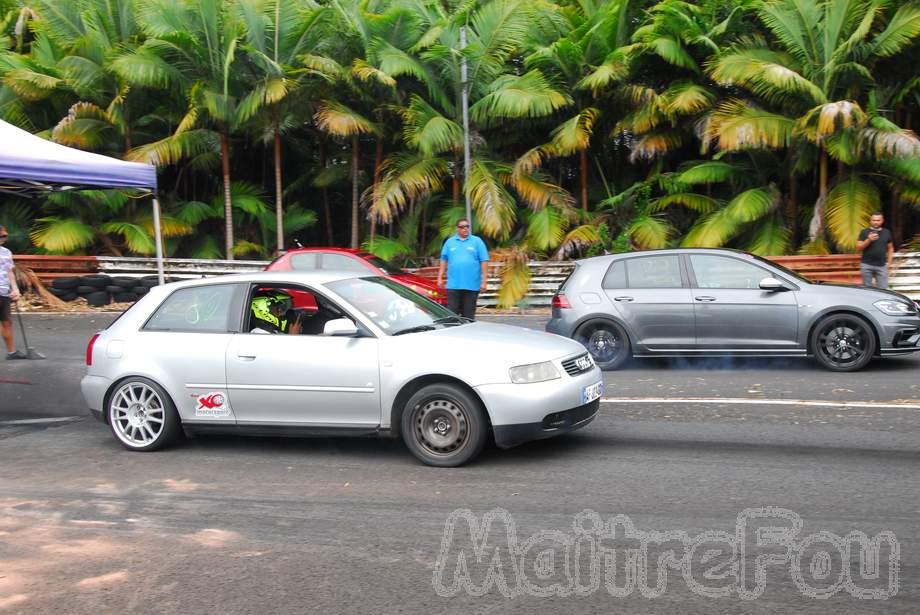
<point x="444" y="425"/>
<point x="606" y="341"/>
<point x="843" y="342"/>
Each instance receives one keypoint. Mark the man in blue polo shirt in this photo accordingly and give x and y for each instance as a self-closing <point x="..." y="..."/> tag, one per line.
<point x="466" y="260"/>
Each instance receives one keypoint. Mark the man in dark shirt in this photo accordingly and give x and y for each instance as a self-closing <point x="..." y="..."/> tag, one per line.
<point x="877" y="249"/>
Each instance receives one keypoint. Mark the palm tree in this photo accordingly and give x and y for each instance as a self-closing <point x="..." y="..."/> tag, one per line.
<point x="192" y="44"/>
<point x="817" y="88"/>
<point x="277" y="32"/>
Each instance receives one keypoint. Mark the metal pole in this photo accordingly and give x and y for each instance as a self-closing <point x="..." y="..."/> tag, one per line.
<point x="158" y="238"/>
<point x="465" y="104"/>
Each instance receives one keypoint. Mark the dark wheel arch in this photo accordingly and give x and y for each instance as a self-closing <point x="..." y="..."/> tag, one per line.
<point x="842" y="312"/>
<point x="413" y="386"/>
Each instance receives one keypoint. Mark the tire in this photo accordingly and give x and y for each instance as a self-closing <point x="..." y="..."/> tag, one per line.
<point x="98" y="299"/>
<point x="65" y="283"/>
<point x="113" y="288"/>
<point x="449" y="407"/>
<point x="140" y="290"/>
<point x="149" y="281"/>
<point x="125" y="297"/>
<point x="141" y="415"/>
<point x="842" y="342"/>
<point x="60" y="292"/>
<point x="96" y="281"/>
<point x="68" y="295"/>
<point x="606" y="342"/>
<point x="84" y="289"/>
<point x="124" y="282"/>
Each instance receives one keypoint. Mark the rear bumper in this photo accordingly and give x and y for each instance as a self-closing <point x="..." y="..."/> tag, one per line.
<point x="553" y="424"/>
<point x="94" y="389"/>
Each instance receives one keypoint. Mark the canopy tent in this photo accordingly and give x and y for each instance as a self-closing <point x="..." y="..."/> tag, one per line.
<point x="30" y="165"/>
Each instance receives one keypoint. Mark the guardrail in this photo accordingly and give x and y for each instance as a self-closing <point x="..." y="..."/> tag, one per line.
<point x="546" y="276"/>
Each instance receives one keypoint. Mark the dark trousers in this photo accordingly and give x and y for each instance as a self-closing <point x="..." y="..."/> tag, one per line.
<point x="462" y="302"/>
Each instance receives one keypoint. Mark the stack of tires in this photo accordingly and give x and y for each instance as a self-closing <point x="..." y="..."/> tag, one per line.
<point x="99" y="289"/>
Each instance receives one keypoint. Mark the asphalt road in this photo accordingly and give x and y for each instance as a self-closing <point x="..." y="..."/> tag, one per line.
<point x="694" y="451"/>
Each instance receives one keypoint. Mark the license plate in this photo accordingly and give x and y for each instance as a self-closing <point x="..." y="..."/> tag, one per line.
<point x="589" y="394"/>
<point x="584" y="363"/>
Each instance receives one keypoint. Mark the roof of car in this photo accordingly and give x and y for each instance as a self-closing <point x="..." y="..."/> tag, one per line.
<point x="330" y="249"/>
<point x="671" y="251"/>
<point x="322" y="276"/>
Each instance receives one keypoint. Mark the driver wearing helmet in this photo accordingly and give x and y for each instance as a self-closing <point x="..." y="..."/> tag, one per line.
<point x="271" y="313"/>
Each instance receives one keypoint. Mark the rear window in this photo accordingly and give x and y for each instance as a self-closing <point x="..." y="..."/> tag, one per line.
<point x="204" y="309"/>
<point x="616" y="275"/>
<point x="306" y="261"/>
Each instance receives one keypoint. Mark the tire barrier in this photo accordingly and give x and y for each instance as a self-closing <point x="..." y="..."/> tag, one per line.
<point x="101" y="289"/>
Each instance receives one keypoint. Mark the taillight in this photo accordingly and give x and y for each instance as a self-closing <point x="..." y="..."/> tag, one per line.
<point x="89" y="349"/>
<point x="559" y="301"/>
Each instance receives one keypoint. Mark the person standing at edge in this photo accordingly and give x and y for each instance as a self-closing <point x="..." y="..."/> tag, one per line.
<point x="9" y="292"/>
<point x="466" y="260"/>
<point x="877" y="249"/>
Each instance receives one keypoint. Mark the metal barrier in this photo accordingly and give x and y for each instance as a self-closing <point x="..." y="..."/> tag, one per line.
<point x="546" y="276"/>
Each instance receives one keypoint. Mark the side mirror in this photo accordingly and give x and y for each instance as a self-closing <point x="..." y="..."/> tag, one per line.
<point x="772" y="284"/>
<point x="340" y="327"/>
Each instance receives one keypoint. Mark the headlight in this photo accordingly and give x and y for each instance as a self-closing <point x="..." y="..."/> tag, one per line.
<point x="536" y="372"/>
<point x="894" y="308"/>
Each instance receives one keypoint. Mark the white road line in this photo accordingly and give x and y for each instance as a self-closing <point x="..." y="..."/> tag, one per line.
<point x="756" y="402"/>
<point x="61" y="419"/>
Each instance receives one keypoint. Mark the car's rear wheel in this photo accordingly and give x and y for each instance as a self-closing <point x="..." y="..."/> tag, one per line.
<point x="843" y="342"/>
<point x="443" y="425"/>
<point x="142" y="416"/>
<point x="607" y="343"/>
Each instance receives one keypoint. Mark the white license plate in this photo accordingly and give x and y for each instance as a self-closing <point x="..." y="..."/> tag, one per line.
<point x="589" y="394"/>
<point x="584" y="363"/>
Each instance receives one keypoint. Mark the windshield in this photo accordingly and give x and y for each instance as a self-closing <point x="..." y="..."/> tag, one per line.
<point x="789" y="272"/>
<point x="393" y="307"/>
<point x="386" y="267"/>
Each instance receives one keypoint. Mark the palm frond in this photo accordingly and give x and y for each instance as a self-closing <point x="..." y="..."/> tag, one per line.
<point x="737" y="125"/>
<point x="699" y="203"/>
<point x="62" y="235"/>
<point x="493" y="205"/>
<point x="175" y="148"/>
<point x="337" y="119"/>
<point x="709" y="172"/>
<point x="648" y="232"/>
<point x="849" y="205"/>
<point x="134" y="235"/>
<point x="516" y="97"/>
<point x="574" y="134"/>
<point x="770" y="80"/>
<point x="903" y="28"/>
<point x="515" y="275"/>
<point x="771" y="238"/>
<point x="406" y="178"/>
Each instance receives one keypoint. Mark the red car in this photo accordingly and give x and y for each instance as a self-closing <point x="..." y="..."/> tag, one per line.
<point x="349" y="259"/>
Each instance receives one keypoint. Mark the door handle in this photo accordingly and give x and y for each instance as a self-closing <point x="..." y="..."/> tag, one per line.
<point x="622" y="298"/>
<point x="705" y="298"/>
<point x="247" y="357"/>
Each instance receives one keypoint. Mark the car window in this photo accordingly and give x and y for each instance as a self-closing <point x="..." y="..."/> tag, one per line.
<point x="393" y="307"/>
<point x="616" y="275"/>
<point x="305" y="261"/>
<point x="340" y="262"/>
<point x="199" y="308"/>
<point x="654" y="272"/>
<point x="722" y="272"/>
<point x="386" y="267"/>
<point x="286" y="309"/>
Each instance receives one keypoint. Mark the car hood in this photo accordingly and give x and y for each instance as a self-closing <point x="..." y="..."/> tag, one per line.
<point x="865" y="292"/>
<point x="514" y="345"/>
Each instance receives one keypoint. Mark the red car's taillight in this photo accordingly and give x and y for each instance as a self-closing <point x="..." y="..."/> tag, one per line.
<point x="559" y="301"/>
<point x="89" y="349"/>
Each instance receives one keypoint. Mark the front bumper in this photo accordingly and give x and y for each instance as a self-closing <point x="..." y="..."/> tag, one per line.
<point x="553" y="424"/>
<point x="899" y="336"/>
<point x="521" y="412"/>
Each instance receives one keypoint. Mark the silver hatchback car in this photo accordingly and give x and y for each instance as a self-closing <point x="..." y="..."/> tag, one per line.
<point x="302" y="353"/>
<point x="716" y="302"/>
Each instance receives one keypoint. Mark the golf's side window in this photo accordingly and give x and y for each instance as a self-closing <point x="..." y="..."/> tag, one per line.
<point x="713" y="271"/>
<point x="616" y="276"/>
<point x="654" y="272"/>
<point x="203" y="309"/>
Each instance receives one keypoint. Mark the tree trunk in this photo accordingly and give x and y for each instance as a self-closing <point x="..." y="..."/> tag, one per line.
<point x="326" y="211"/>
<point x="279" y="206"/>
<point x="792" y="211"/>
<point x="816" y="227"/>
<point x="378" y="161"/>
<point x="228" y="201"/>
<point x="584" y="179"/>
<point x="355" y="161"/>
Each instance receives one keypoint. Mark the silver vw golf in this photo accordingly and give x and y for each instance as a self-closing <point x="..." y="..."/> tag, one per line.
<point x="307" y="353"/>
<point x="709" y="302"/>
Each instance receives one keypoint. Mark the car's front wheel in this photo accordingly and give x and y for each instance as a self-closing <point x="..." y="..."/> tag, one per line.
<point x="142" y="416"/>
<point x="843" y="342"/>
<point x="444" y="425"/>
<point x="607" y="343"/>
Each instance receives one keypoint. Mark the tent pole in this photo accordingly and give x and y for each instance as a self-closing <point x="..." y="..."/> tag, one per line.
<point x="158" y="238"/>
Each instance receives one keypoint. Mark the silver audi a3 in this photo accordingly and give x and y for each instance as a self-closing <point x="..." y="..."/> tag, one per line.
<point x="312" y="353"/>
<point x="709" y="302"/>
